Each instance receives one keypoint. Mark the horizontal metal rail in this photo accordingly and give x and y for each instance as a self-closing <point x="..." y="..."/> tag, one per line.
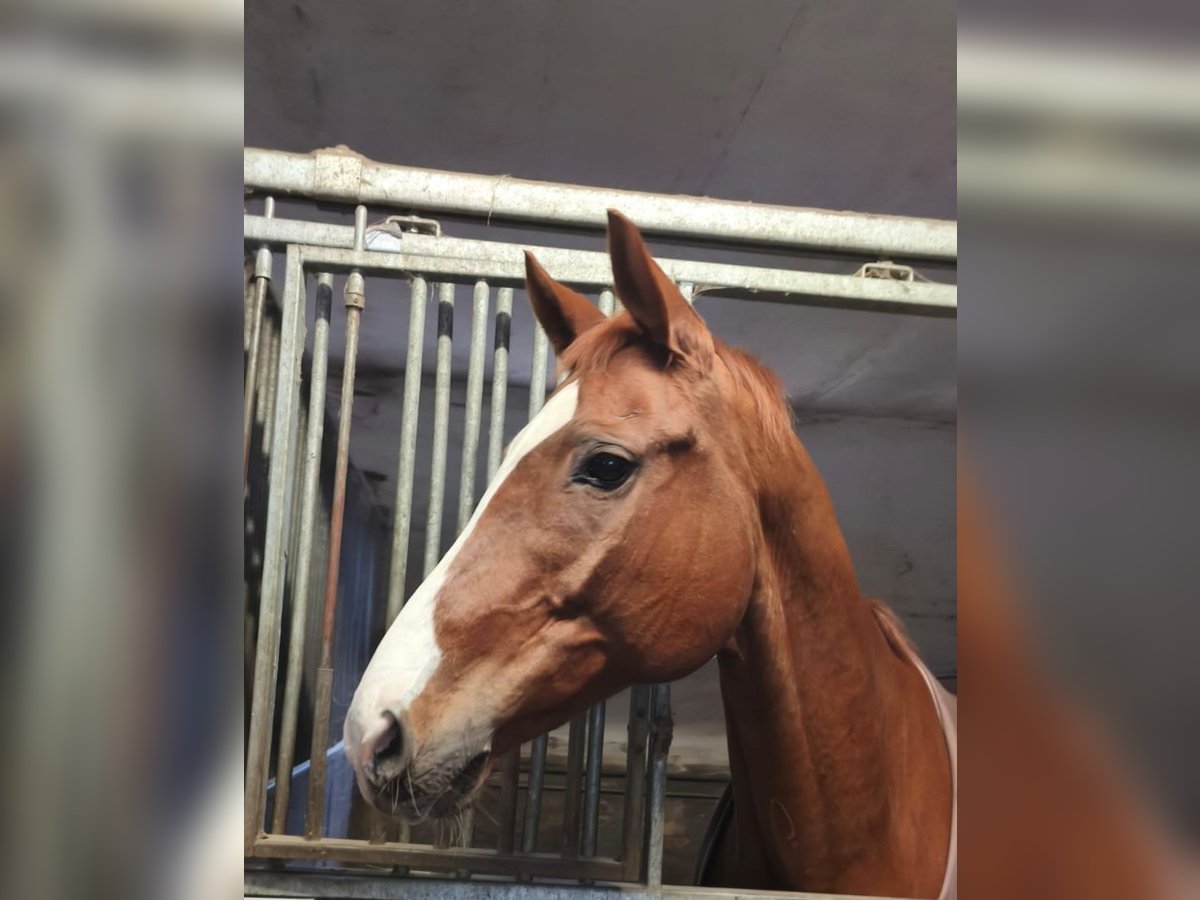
<point x="464" y="261"/>
<point x="381" y="887"/>
<point x="341" y="174"/>
<point x="449" y="859"/>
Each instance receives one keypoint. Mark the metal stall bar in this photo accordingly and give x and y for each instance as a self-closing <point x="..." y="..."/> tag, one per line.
<point x="470" y="448"/>
<point x="262" y="278"/>
<point x="266" y="662"/>
<point x="537" y="754"/>
<point x="308" y="509"/>
<point x="402" y="524"/>
<point x="504" y="302"/>
<point x="474" y="405"/>
<point x="441" y="427"/>
<point x="510" y="763"/>
<point x="453" y="859"/>
<point x="406" y="468"/>
<point x="272" y="337"/>
<point x="661" y="701"/>
<point x="635" y="780"/>
<point x="342" y="174"/>
<point x="608" y="303"/>
<point x="354" y="300"/>
<point x="595" y="763"/>
<point x="572" y="818"/>
<point x="500" y="263"/>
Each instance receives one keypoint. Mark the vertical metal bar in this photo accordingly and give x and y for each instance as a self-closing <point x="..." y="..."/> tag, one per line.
<point x="300" y="590"/>
<point x="533" y="802"/>
<point x="252" y="364"/>
<point x="441" y="427"/>
<point x="537" y="373"/>
<point x="402" y="522"/>
<point x="504" y="300"/>
<point x="271" y="383"/>
<point x="260" y="384"/>
<point x="470" y="450"/>
<point x="506" y="824"/>
<point x="607" y="303"/>
<point x="537" y="759"/>
<point x="262" y="277"/>
<point x="474" y="406"/>
<point x="635" y="780"/>
<point x="571" y="807"/>
<point x="661" y="694"/>
<point x="354" y="300"/>
<point x="510" y="763"/>
<point x="402" y="525"/>
<point x="266" y="663"/>
<point x="595" y="765"/>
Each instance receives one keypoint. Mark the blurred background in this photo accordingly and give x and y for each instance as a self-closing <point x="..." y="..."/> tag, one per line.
<point x="1079" y="201"/>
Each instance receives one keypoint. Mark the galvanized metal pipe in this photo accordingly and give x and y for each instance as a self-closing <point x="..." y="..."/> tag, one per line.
<point x="503" y="264"/>
<point x="510" y="763"/>
<point x="270" y="382"/>
<point x="354" y="300"/>
<point x="441" y="426"/>
<point x="252" y="364"/>
<point x="537" y="371"/>
<point x="537" y="760"/>
<point x="474" y="405"/>
<point x="504" y="301"/>
<point x="261" y="279"/>
<point x="533" y="800"/>
<point x="402" y="523"/>
<point x="506" y="818"/>
<point x="595" y="764"/>
<point x="341" y="174"/>
<point x="266" y="662"/>
<point x="607" y="303"/>
<point x="661" y="701"/>
<point x="635" y="781"/>
<point x="301" y="587"/>
<point x="572" y="813"/>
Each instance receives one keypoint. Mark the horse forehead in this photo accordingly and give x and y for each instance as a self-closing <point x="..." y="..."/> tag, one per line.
<point x="628" y="386"/>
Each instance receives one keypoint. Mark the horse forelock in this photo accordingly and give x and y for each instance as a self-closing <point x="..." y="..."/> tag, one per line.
<point x="757" y="386"/>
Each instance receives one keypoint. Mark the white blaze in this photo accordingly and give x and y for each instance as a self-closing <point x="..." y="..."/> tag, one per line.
<point x="409" y="654"/>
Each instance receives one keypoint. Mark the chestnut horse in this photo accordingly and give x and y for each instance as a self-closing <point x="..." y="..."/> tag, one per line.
<point x="658" y="511"/>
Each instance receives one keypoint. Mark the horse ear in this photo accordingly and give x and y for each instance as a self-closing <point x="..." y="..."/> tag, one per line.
<point x="652" y="298"/>
<point x="563" y="313"/>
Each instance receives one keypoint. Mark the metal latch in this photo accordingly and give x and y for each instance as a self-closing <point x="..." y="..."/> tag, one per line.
<point x="387" y="234"/>
<point x="885" y="268"/>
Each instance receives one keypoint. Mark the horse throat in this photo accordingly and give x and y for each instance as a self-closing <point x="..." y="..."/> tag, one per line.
<point x="821" y="716"/>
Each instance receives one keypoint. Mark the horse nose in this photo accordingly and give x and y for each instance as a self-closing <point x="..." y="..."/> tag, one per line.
<point x="385" y="749"/>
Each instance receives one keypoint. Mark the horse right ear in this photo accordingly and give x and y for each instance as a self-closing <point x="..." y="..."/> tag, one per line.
<point x="652" y="298"/>
<point x="563" y="313"/>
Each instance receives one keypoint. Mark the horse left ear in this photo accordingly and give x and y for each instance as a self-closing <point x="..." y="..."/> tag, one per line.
<point x="562" y="312"/>
<point x="652" y="298"/>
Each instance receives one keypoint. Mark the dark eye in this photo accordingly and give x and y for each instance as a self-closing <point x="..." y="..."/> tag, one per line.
<point x="605" y="470"/>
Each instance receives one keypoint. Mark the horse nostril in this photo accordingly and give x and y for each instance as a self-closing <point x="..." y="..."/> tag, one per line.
<point x="387" y="757"/>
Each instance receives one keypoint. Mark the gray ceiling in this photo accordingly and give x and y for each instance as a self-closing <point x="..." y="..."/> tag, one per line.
<point x="838" y="104"/>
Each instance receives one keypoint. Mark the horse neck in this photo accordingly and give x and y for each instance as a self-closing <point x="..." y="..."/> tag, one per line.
<point x="812" y="691"/>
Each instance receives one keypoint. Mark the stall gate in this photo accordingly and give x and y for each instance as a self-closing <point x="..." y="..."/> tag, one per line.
<point x="296" y="533"/>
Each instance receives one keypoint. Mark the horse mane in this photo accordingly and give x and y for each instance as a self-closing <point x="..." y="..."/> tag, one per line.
<point x="893" y="631"/>
<point x="595" y="348"/>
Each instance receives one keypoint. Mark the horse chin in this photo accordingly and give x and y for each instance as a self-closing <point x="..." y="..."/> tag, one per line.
<point x="415" y="803"/>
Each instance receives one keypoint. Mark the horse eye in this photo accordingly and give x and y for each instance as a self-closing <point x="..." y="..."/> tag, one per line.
<point x="605" y="470"/>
